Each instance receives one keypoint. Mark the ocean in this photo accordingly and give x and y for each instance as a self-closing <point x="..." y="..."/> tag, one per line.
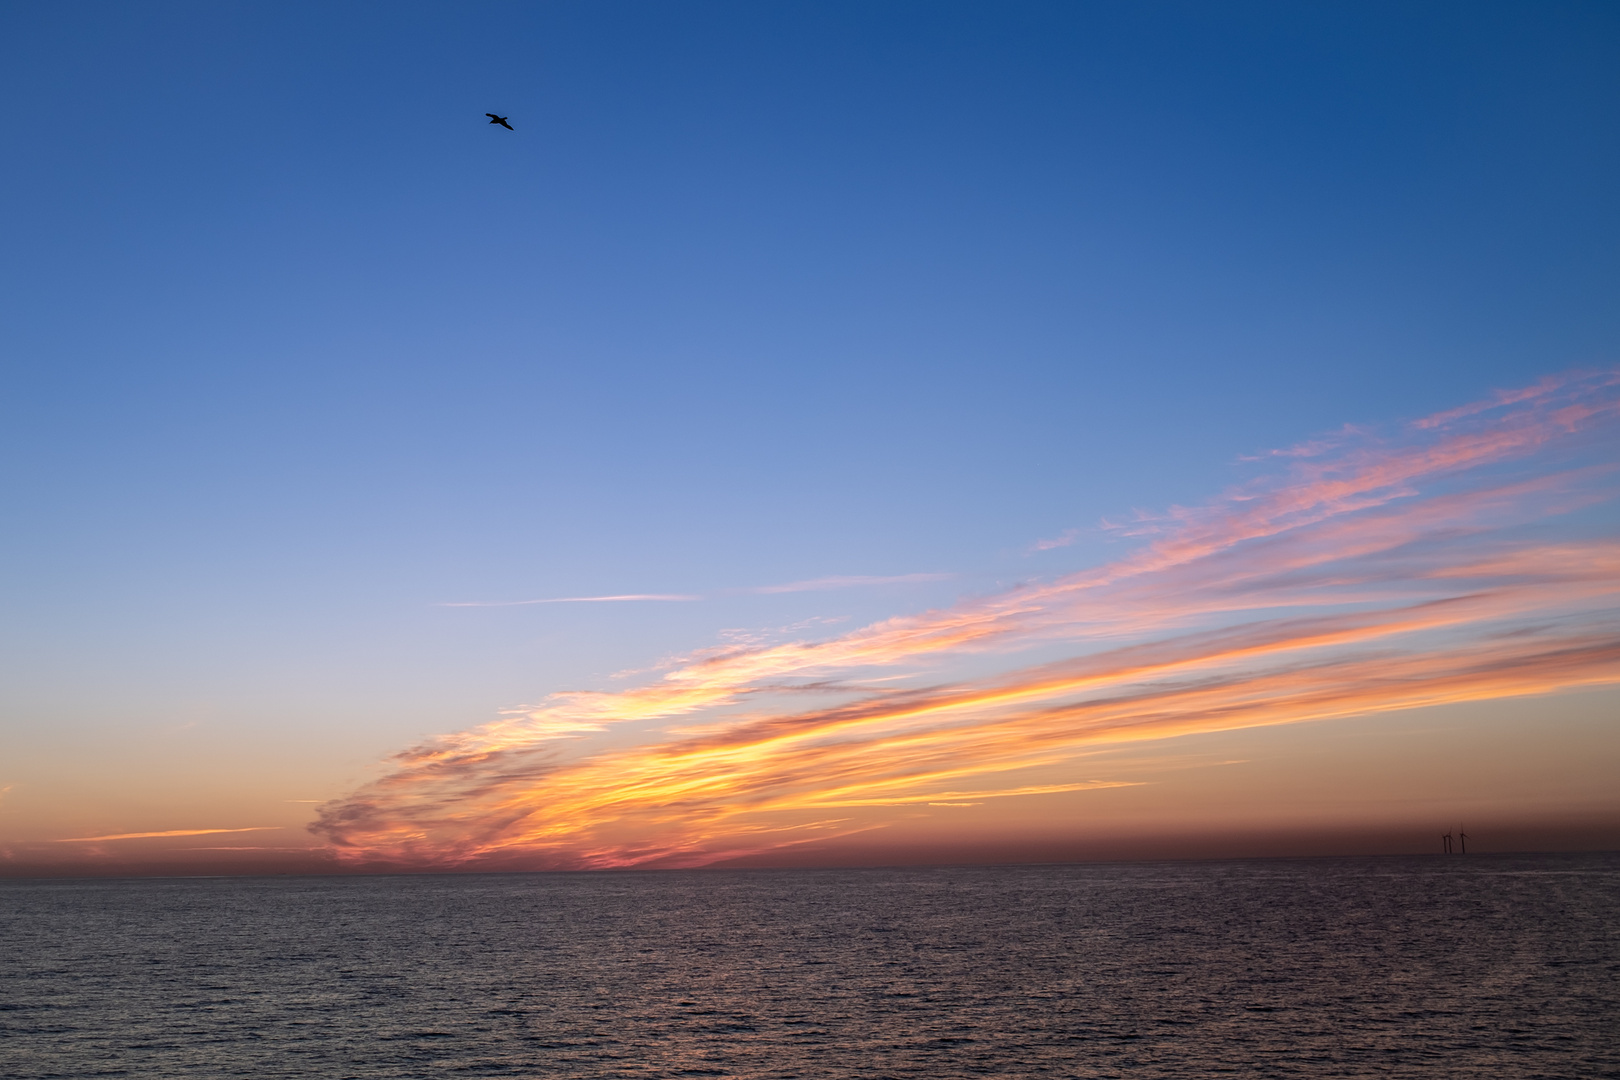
<point x="1437" y="967"/>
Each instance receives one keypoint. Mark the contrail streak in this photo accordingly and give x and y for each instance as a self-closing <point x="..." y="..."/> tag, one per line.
<point x="628" y="597"/>
<point x="167" y="832"/>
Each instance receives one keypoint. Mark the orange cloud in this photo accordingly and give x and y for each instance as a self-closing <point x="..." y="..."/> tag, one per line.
<point x="168" y="832"/>
<point x="1377" y="573"/>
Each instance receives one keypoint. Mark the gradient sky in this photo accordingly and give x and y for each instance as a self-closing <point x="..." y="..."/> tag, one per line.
<point x="834" y="432"/>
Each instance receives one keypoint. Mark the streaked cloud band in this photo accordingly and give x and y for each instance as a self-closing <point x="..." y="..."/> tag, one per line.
<point x="1378" y="571"/>
<point x="164" y="833"/>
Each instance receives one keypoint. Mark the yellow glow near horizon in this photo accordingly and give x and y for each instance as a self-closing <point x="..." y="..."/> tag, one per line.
<point x="1369" y="577"/>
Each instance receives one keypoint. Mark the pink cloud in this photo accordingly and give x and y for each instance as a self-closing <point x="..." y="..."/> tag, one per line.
<point x="1375" y="574"/>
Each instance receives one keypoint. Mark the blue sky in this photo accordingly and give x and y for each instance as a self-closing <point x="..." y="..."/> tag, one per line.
<point x="298" y="348"/>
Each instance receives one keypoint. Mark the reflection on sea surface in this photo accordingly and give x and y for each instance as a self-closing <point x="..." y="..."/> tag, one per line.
<point x="1437" y="967"/>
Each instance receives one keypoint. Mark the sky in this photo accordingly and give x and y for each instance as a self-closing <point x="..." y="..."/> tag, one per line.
<point x="816" y="434"/>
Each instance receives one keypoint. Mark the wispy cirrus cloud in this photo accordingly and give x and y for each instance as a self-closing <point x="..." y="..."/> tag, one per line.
<point x="849" y="582"/>
<point x="620" y="599"/>
<point x="1378" y="571"/>
<point x="1062" y="540"/>
<point x="165" y="833"/>
<point x="811" y="585"/>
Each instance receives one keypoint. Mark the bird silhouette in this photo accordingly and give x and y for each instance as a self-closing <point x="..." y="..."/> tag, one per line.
<point x="501" y="120"/>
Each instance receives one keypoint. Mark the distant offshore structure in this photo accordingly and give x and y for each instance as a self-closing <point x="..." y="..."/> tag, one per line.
<point x="1462" y="838"/>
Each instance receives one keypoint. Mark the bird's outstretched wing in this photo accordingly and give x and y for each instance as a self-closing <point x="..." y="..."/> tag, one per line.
<point x="492" y="116"/>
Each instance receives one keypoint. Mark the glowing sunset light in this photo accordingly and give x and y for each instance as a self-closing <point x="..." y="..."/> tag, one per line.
<point x="164" y="834"/>
<point x="1375" y="573"/>
<point x="834" y="540"/>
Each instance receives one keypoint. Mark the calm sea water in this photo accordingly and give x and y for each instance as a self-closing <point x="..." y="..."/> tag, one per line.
<point x="1474" y="966"/>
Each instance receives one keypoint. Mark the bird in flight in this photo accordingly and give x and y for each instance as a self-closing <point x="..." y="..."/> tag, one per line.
<point x="501" y="120"/>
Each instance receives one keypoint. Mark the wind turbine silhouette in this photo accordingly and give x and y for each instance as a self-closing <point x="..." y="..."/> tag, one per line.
<point x="1463" y="836"/>
<point x="1445" y="843"/>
